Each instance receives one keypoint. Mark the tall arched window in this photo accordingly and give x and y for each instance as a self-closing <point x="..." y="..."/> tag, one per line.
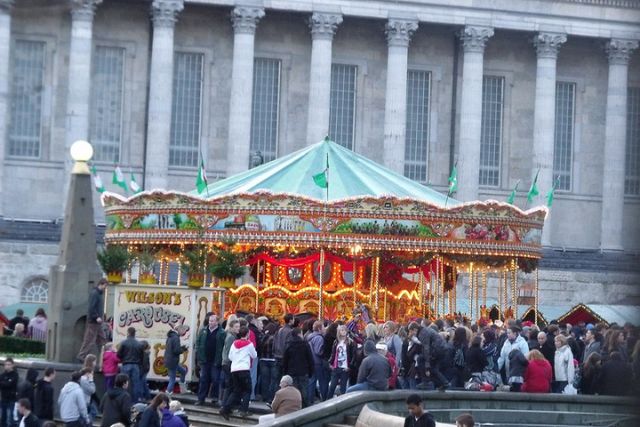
<point x="35" y="290"/>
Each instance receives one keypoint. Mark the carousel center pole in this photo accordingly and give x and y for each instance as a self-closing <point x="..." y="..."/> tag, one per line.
<point x="321" y="280"/>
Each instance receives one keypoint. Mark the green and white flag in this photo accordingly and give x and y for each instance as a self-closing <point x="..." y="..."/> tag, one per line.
<point x="118" y="179"/>
<point x="512" y="196"/>
<point x="97" y="181"/>
<point x="553" y="189"/>
<point x="133" y="185"/>
<point x="533" y="190"/>
<point x="453" y="180"/>
<point x="201" y="181"/>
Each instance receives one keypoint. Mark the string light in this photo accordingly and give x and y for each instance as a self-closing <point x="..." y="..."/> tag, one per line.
<point x="535" y="298"/>
<point x="471" y="291"/>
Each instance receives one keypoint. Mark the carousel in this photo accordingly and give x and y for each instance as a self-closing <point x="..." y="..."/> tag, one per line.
<point x="327" y="231"/>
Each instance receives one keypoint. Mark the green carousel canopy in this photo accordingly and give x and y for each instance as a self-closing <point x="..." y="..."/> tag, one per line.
<point x="350" y="175"/>
<point x="368" y="208"/>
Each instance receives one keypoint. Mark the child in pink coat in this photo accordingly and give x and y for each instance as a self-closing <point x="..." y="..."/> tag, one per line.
<point x="109" y="365"/>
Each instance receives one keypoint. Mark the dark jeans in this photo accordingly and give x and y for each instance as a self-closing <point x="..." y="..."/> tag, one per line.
<point x="320" y="375"/>
<point x="225" y="379"/>
<point x="77" y="423"/>
<point x="240" y="390"/>
<point x="132" y="370"/>
<point x="109" y="381"/>
<point x="301" y="382"/>
<point x="436" y="370"/>
<point x="269" y="372"/>
<point x="209" y="379"/>
<point x="6" y="413"/>
<point x="145" y="393"/>
<point x="338" y="376"/>
<point x="558" y="386"/>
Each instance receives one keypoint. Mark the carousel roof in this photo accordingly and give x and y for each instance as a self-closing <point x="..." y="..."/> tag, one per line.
<point x="350" y="175"/>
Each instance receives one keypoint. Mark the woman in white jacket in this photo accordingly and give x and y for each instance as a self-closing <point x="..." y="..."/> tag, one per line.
<point x="563" y="367"/>
<point x="241" y="355"/>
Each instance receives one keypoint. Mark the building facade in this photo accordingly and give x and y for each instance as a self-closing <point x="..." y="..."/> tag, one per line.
<point x="505" y="90"/>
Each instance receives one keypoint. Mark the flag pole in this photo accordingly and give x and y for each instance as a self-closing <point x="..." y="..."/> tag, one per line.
<point x="455" y="167"/>
<point x="322" y="258"/>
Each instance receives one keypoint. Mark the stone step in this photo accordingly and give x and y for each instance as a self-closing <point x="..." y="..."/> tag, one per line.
<point x="338" y="425"/>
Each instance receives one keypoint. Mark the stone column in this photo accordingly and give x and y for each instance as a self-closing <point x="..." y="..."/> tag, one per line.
<point x="614" y="144"/>
<point x="323" y="27"/>
<point x="5" y="42"/>
<point x="473" y="41"/>
<point x="547" y="46"/>
<point x="164" y="14"/>
<point x="399" y="32"/>
<point x="79" y="86"/>
<point x="245" y="20"/>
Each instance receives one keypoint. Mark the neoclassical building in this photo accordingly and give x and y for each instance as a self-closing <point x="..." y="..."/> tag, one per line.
<point x="503" y="89"/>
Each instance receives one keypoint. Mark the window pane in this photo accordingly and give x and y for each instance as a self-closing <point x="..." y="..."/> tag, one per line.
<point x="343" y="104"/>
<point x="185" y="114"/>
<point x="563" y="143"/>
<point x="491" y="130"/>
<point x="106" y="103"/>
<point x="264" y="111"/>
<point x="26" y="98"/>
<point x="417" y="135"/>
<point x="632" y="175"/>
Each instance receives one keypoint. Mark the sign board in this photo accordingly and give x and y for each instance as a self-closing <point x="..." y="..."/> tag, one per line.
<point x="156" y="310"/>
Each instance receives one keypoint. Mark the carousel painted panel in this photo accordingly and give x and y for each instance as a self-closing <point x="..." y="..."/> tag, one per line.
<point x="156" y="310"/>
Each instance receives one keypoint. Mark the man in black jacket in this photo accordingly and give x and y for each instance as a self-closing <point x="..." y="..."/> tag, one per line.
<point x="28" y="419"/>
<point x="8" y="391"/>
<point x="298" y="363"/>
<point x="433" y="352"/>
<point x="116" y="403"/>
<point x="43" y="396"/>
<point x="93" y="332"/>
<point x="130" y="354"/>
<point x="172" y="352"/>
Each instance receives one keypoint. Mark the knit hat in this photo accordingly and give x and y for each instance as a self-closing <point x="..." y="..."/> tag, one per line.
<point x="381" y="347"/>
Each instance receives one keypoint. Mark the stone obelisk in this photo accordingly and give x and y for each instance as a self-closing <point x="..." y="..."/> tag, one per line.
<point x="76" y="271"/>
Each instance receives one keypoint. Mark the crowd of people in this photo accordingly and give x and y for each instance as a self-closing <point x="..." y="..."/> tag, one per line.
<point x="20" y="326"/>
<point x="296" y="364"/>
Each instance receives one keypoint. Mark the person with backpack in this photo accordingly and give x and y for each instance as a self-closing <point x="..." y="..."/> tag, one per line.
<point x="316" y="343"/>
<point x="381" y="348"/>
<point x="116" y="403"/>
<point x="392" y="340"/>
<point x="433" y="353"/>
<point x="459" y="370"/>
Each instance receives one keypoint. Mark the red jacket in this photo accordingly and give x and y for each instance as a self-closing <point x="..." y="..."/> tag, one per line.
<point x="110" y="363"/>
<point x="537" y="377"/>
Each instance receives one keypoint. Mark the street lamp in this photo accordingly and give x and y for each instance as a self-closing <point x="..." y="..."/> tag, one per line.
<point x="81" y="153"/>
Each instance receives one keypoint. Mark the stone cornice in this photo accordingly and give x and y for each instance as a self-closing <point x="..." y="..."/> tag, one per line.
<point x="164" y="13"/>
<point x="6" y="5"/>
<point x="474" y="39"/>
<point x="631" y="4"/>
<point x="245" y="19"/>
<point x="619" y="50"/>
<point x="83" y="10"/>
<point x="400" y="31"/>
<point x="324" y="25"/>
<point x="548" y="44"/>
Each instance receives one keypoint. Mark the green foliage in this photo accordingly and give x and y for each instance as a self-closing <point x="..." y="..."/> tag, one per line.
<point x="114" y="259"/>
<point x="13" y="345"/>
<point x="195" y="260"/>
<point x="227" y="263"/>
<point x="147" y="259"/>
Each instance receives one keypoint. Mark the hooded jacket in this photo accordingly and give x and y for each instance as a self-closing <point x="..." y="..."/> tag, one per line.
<point x="172" y="350"/>
<point x="88" y="388"/>
<point x="72" y="403"/>
<point x="537" y="377"/>
<point x="298" y="360"/>
<point x="170" y="420"/>
<point x="116" y="407"/>
<point x="375" y="369"/>
<point x="38" y="328"/>
<point x="433" y="345"/>
<point x="241" y="353"/>
<point x="96" y="305"/>
<point x="43" y="400"/>
<point x="316" y="343"/>
<point x="508" y="346"/>
<point x="25" y="387"/>
<point x="110" y="363"/>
